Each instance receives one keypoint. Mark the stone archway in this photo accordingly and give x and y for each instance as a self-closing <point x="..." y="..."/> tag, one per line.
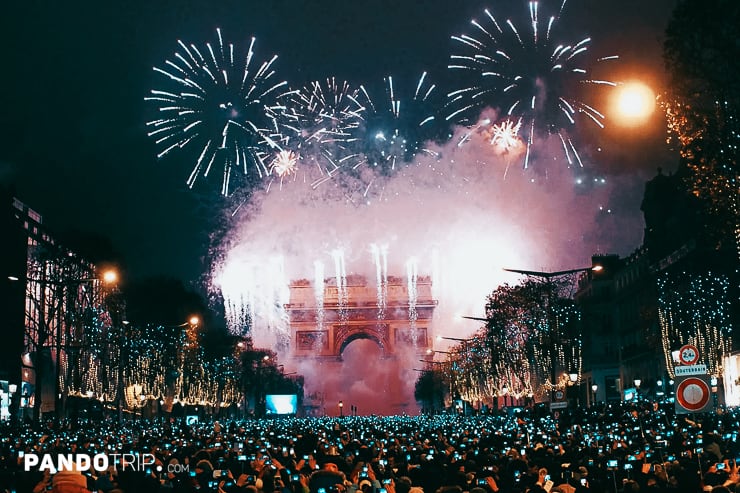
<point x="356" y="335"/>
<point x="321" y="326"/>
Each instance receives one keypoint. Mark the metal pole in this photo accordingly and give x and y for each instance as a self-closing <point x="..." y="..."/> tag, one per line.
<point x="122" y="351"/>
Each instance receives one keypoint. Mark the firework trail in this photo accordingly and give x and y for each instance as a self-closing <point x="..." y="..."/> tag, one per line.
<point x="532" y="75"/>
<point x="226" y="104"/>
<point x="400" y="122"/>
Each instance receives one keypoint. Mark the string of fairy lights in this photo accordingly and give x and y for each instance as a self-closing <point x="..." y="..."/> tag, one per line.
<point x="96" y="353"/>
<point x="156" y="363"/>
<point x="694" y="308"/>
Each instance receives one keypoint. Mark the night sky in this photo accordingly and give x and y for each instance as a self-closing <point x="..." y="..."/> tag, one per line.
<point x="75" y="74"/>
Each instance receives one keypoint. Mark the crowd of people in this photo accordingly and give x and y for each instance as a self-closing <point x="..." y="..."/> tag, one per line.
<point x="620" y="447"/>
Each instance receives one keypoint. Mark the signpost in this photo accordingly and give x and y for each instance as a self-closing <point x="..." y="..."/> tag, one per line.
<point x="693" y="391"/>
<point x="693" y="394"/>
<point x="559" y="400"/>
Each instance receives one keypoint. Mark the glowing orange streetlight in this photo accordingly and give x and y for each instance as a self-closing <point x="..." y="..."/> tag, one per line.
<point x="633" y="103"/>
<point x="110" y="276"/>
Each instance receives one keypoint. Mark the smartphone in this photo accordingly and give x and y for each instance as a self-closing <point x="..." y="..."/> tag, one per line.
<point x="295" y="478"/>
<point x="387" y="481"/>
<point x="481" y="482"/>
<point x="720" y="466"/>
<point x="21" y="453"/>
<point x="627" y="467"/>
<point x="612" y="463"/>
<point x="583" y="481"/>
<point x="242" y="458"/>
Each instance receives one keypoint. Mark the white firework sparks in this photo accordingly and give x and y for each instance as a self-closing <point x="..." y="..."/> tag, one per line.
<point x="532" y="77"/>
<point x="222" y="102"/>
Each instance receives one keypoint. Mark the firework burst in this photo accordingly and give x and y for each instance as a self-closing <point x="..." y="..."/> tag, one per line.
<point x="284" y="164"/>
<point x="326" y="119"/>
<point x="505" y="136"/>
<point x="225" y="104"/>
<point x="532" y="75"/>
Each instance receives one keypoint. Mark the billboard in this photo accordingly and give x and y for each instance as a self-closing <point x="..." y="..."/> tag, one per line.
<point x="281" y="403"/>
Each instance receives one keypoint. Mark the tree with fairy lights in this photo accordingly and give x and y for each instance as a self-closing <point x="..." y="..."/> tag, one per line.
<point x="66" y="322"/>
<point x="703" y="110"/>
<point x="532" y="333"/>
<point x="700" y="305"/>
<point x="694" y="308"/>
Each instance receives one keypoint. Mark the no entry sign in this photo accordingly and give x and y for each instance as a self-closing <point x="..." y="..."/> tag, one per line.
<point x="693" y="394"/>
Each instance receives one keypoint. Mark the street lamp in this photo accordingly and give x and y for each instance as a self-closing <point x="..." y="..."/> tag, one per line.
<point x="594" y="388"/>
<point x="551" y="323"/>
<point x="341" y="409"/>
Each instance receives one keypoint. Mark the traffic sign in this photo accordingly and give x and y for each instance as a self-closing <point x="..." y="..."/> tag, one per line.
<point x="684" y="371"/>
<point x="693" y="394"/>
<point x="559" y="399"/>
<point x="688" y="354"/>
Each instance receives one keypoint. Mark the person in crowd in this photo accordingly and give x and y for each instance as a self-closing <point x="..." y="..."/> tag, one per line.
<point x="622" y="447"/>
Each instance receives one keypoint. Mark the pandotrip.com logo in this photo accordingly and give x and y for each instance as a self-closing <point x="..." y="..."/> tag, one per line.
<point x="98" y="462"/>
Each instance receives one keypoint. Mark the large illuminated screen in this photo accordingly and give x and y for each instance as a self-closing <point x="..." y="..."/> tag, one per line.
<point x="281" y="404"/>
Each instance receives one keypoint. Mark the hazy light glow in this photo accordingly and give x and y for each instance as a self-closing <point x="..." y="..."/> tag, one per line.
<point x="634" y="103"/>
<point x="459" y="220"/>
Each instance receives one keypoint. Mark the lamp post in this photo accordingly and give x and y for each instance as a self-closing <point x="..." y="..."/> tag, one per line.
<point x="637" y="383"/>
<point x="594" y="388"/>
<point x="551" y="323"/>
<point x="341" y="409"/>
